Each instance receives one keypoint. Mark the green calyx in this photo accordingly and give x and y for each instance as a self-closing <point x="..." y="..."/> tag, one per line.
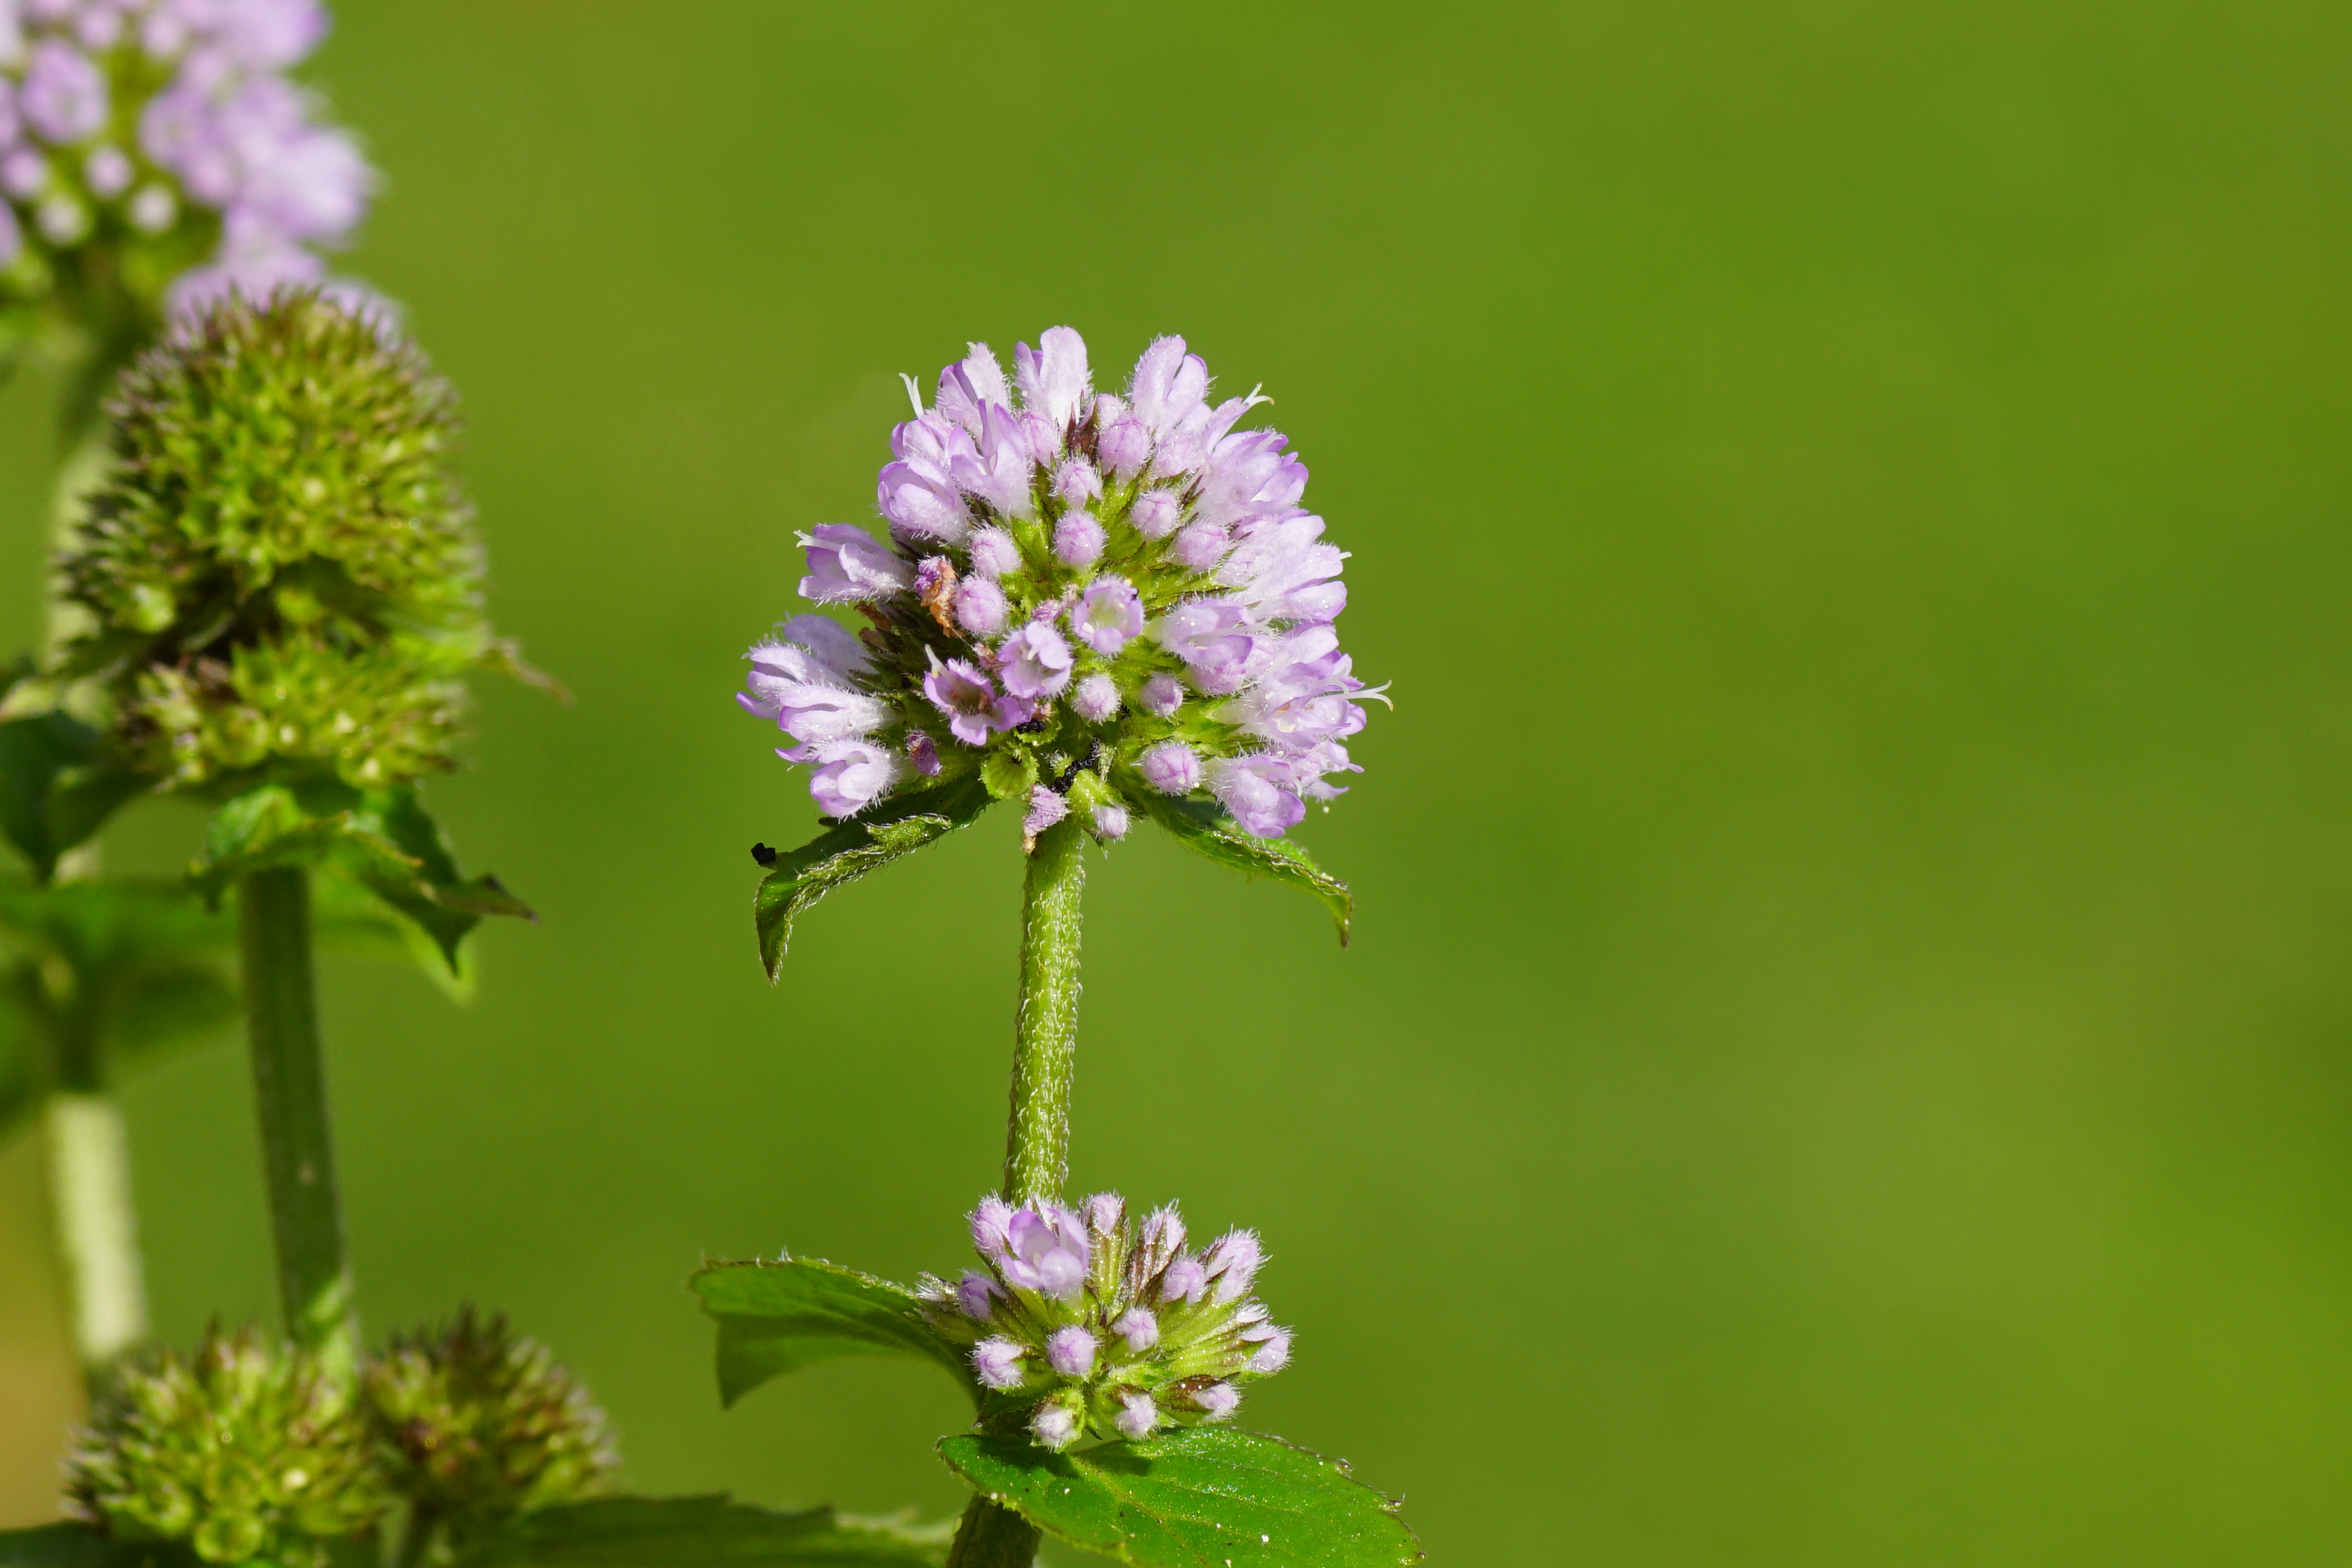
<point x="478" y="1426"/>
<point x="244" y="1451"/>
<point x="282" y="570"/>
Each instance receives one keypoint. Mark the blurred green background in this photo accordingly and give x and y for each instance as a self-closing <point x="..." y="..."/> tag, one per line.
<point x="1844" y="1059"/>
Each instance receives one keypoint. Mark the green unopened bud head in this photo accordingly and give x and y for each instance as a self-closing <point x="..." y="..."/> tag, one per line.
<point x="244" y="1451"/>
<point x="282" y="570"/>
<point x="477" y="1424"/>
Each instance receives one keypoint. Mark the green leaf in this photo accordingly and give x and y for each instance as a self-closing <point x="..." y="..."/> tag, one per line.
<point x="775" y="1318"/>
<point x="383" y="839"/>
<point x="66" y="1546"/>
<point x="1207" y="829"/>
<point x="123" y="967"/>
<point x="693" y="1533"/>
<point x="848" y="850"/>
<point x="55" y="791"/>
<point x="1203" y="1495"/>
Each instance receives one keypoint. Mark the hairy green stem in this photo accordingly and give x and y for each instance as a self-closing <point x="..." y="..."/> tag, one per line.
<point x="992" y="1536"/>
<point x="97" y="1229"/>
<point x="1037" y="1138"/>
<point x="1046" y="1023"/>
<point x="290" y="1083"/>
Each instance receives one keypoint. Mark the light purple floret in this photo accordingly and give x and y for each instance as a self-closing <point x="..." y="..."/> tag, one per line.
<point x="65" y="94"/>
<point x="1110" y="822"/>
<point x="1274" y="1353"/>
<point x="976" y="1294"/>
<point x="1185" y="1281"/>
<point x="1045" y="808"/>
<point x="1156" y="513"/>
<point x="1261" y="790"/>
<point x="846" y="564"/>
<point x="849" y="776"/>
<point x="1096" y="697"/>
<point x="991" y="1228"/>
<point x="1034" y="661"/>
<point x="1107" y="615"/>
<point x="1138" y="1327"/>
<point x="1071" y="1351"/>
<point x="1046" y="1252"/>
<point x="1079" y="539"/>
<point x="1054" y="1426"/>
<point x="1219" y="1400"/>
<point x="1171" y="767"/>
<point x="1161" y="695"/>
<point x="980" y="606"/>
<point x="1078" y="483"/>
<point x="1137" y="1416"/>
<point x="998" y="1361"/>
<point x="993" y="553"/>
<point x="962" y="690"/>
<point x="1233" y="1261"/>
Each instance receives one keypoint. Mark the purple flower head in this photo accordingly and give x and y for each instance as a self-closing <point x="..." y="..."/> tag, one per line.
<point x="1139" y="1327"/>
<point x="1157" y="513"/>
<point x="24" y="173"/>
<point x="1109" y="592"/>
<point x="993" y="554"/>
<point x="1108" y="615"/>
<point x="980" y="606"/>
<point x="976" y="1293"/>
<point x="1171" y="767"/>
<point x="1076" y="483"/>
<point x="962" y="690"/>
<point x="846" y="565"/>
<point x="1124" y="447"/>
<point x="850" y="775"/>
<point x="1161" y="695"/>
<point x="1045" y="808"/>
<point x="1079" y="539"/>
<point x="997" y="1359"/>
<point x="107" y="171"/>
<point x="1218" y="1400"/>
<point x="1096" y="697"/>
<point x="64" y="93"/>
<point x="1034" y="661"/>
<point x="1048" y="1252"/>
<point x="1071" y="1351"/>
<point x="1261" y="790"/>
<point x="1137" y="1415"/>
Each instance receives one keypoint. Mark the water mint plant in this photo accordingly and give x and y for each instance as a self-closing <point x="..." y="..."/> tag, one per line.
<point x="1104" y="609"/>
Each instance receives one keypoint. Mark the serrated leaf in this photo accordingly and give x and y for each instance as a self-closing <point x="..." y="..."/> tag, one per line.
<point x="383" y="839"/>
<point x="850" y="849"/>
<point x="66" y="1546"/>
<point x="691" y="1533"/>
<point x="1009" y="775"/>
<point x="775" y="1318"/>
<point x="1207" y="829"/>
<point x="55" y="791"/>
<point x="1203" y="1495"/>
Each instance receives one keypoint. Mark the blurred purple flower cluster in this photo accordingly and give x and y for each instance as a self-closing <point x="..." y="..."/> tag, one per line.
<point x="1092" y="598"/>
<point x="143" y="123"/>
<point x="1103" y="1324"/>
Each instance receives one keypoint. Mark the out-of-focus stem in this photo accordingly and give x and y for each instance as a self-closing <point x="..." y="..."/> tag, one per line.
<point x="992" y="1536"/>
<point x="289" y="1082"/>
<point x="97" y="1228"/>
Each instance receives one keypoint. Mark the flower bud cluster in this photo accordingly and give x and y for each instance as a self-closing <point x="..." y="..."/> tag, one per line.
<point x="477" y="1424"/>
<point x="281" y="569"/>
<point x="248" y="1452"/>
<point x="245" y="1451"/>
<point x="155" y="147"/>
<point x="1091" y="1323"/>
<point x="1089" y="599"/>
